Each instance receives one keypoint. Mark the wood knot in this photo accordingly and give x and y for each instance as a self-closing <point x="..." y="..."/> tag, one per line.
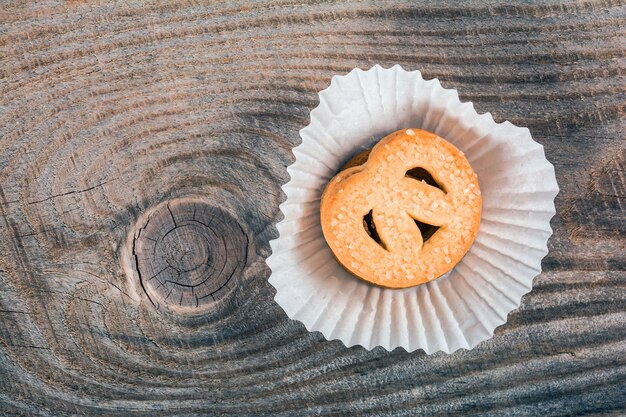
<point x="187" y="253"/>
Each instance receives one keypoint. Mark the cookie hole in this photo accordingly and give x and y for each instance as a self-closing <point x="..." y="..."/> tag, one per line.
<point x="427" y="230"/>
<point x="421" y="174"/>
<point x="370" y="228"/>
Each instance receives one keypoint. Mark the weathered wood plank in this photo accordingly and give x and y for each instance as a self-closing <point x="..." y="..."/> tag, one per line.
<point x="109" y="110"/>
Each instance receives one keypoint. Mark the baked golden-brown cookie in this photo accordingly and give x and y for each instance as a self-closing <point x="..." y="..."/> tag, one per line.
<point x="405" y="213"/>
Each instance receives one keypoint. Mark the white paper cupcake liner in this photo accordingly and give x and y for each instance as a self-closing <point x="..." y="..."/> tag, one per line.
<point x="464" y="307"/>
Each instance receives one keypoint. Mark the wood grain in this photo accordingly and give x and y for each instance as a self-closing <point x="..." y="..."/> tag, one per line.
<point x="110" y="112"/>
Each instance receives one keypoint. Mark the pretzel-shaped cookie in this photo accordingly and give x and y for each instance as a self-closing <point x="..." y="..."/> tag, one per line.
<point x="381" y="188"/>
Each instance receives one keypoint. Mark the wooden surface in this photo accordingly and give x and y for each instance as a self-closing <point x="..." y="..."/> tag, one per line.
<point x="110" y="110"/>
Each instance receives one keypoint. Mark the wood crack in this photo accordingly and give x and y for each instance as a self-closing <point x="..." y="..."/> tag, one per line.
<point x="71" y="192"/>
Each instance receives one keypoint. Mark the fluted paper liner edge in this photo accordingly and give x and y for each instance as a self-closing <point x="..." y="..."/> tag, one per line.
<point x="464" y="307"/>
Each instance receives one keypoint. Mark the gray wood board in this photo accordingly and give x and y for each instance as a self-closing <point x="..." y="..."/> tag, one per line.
<point x="109" y="110"/>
